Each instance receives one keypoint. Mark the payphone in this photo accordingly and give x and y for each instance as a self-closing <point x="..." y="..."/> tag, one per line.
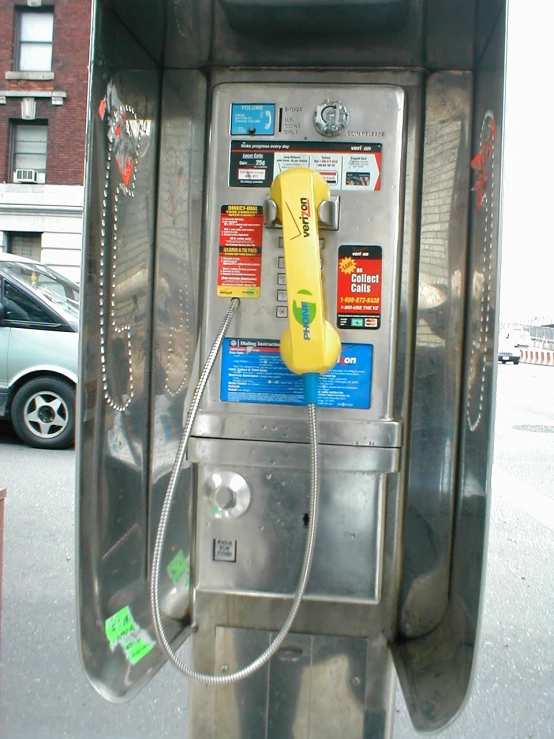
<point x="288" y="353"/>
<point x="298" y="281"/>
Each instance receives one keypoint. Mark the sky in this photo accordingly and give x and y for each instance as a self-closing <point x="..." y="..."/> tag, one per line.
<point x="527" y="275"/>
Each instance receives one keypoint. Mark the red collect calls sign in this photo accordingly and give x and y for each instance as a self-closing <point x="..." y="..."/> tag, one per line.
<point x="359" y="276"/>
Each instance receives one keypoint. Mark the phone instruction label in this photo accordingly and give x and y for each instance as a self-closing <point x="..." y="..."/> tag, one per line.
<point x="252" y="371"/>
<point x="348" y="167"/>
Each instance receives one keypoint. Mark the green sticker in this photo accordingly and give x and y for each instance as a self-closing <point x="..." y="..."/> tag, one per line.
<point x="122" y="629"/>
<point x="137" y="650"/>
<point x="179" y="567"/>
<point x="119" y="625"/>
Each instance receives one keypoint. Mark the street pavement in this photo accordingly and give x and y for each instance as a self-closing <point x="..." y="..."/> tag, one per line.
<point x="43" y="691"/>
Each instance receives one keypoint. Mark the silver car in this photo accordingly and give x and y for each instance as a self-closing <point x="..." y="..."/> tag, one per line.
<point x="39" y="316"/>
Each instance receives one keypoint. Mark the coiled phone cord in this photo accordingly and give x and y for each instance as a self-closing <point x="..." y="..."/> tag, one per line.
<point x="162" y="528"/>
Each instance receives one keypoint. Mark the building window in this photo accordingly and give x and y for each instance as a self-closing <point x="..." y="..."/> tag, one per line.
<point x="25" y="245"/>
<point x="35" y="29"/>
<point x="29" y="152"/>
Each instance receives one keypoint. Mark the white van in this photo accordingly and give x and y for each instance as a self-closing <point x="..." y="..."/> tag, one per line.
<point x="39" y="348"/>
<point x="520" y="337"/>
<point x="508" y="351"/>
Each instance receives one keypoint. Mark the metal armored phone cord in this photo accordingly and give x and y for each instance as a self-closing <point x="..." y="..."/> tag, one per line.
<point x="162" y="527"/>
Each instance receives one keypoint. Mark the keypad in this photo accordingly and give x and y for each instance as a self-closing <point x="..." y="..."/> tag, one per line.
<point x="282" y="311"/>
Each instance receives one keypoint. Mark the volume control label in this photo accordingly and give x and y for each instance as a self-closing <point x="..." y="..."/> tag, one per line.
<point x="239" y="270"/>
<point x="252" y="118"/>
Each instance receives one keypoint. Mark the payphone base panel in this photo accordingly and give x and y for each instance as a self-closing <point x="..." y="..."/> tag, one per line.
<point x="317" y="686"/>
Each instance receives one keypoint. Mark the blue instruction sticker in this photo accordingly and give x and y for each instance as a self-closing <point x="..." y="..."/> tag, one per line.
<point x="252" y="118"/>
<point x="252" y="371"/>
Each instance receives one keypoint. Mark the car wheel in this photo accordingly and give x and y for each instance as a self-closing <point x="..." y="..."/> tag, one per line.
<point x="43" y="413"/>
<point x="516" y="361"/>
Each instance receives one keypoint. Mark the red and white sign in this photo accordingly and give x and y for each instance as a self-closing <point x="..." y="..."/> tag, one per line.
<point x="359" y="280"/>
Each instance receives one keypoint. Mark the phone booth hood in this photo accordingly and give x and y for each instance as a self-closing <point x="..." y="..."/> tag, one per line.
<point x="194" y="109"/>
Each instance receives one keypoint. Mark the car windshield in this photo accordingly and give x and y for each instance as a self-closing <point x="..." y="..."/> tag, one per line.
<point x="60" y="292"/>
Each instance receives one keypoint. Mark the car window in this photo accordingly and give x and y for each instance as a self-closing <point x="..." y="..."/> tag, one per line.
<point x="56" y="290"/>
<point x="21" y="308"/>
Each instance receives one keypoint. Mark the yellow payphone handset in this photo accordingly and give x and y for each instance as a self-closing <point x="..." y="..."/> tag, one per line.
<point x="310" y="346"/>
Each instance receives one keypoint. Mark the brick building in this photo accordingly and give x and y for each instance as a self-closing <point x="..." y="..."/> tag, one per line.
<point x="44" y="52"/>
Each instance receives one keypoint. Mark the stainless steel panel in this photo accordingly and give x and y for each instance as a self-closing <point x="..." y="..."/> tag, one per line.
<point x="112" y="515"/>
<point x="269" y="537"/>
<point x="445" y="51"/>
<point x="115" y="47"/>
<point x="377" y="115"/>
<point x="488" y="14"/>
<point x="338" y="688"/>
<point x="315" y="18"/>
<point x="289" y="690"/>
<point x="240" y="709"/>
<point x="293" y="456"/>
<point x="188" y="35"/>
<point x="145" y="19"/>
<point x="435" y="670"/>
<point x="264" y="428"/>
<point x="179" y="216"/>
<point x="116" y="349"/>
<point x="314" y="688"/>
<point x="403" y="48"/>
<point x="171" y="34"/>
<point x="437" y="377"/>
